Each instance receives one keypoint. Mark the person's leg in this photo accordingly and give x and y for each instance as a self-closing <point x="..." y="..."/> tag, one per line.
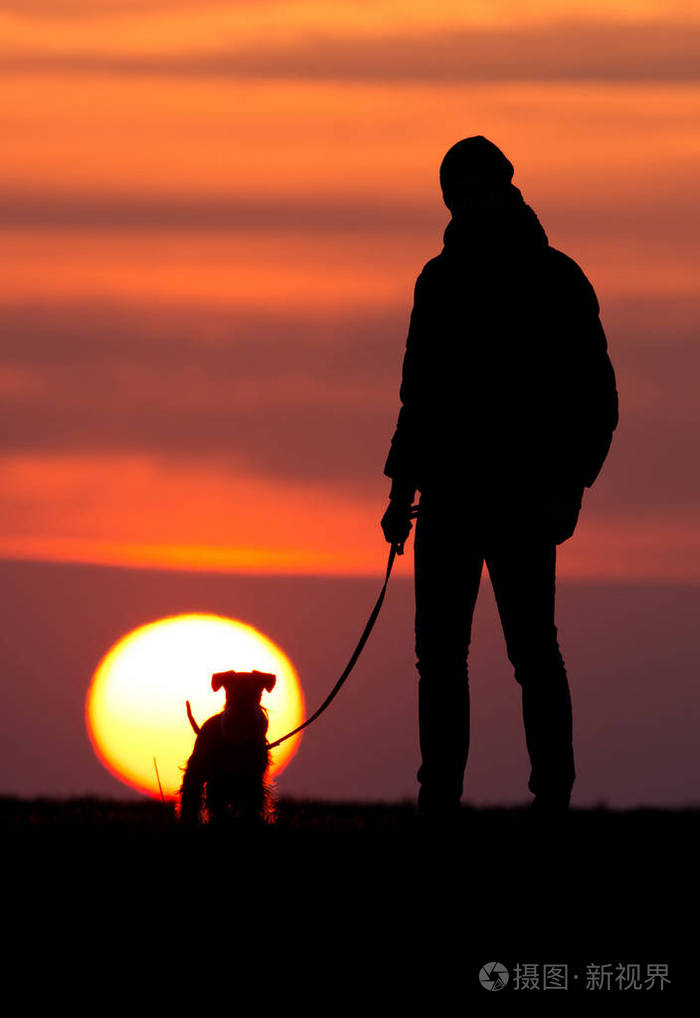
<point x="447" y="572"/>
<point x="523" y="576"/>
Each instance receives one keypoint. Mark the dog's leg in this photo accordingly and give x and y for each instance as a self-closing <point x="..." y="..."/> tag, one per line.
<point x="190" y="797"/>
<point x="193" y="785"/>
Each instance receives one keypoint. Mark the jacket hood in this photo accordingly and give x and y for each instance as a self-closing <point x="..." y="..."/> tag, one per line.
<point x="505" y="228"/>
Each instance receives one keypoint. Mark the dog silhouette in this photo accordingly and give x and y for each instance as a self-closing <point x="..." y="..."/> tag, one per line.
<point x="224" y="781"/>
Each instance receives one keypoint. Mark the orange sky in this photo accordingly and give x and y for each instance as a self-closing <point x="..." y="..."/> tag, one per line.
<point x="213" y="216"/>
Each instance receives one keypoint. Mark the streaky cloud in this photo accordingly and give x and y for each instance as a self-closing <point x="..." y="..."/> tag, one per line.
<point x="300" y="398"/>
<point x="26" y="209"/>
<point x="68" y="10"/>
<point x="564" y="51"/>
<point x="633" y="216"/>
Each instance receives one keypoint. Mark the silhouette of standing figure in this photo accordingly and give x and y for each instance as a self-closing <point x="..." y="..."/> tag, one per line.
<point x="508" y="408"/>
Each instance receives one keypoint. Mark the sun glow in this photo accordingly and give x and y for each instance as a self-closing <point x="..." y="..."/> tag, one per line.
<point x="135" y="707"/>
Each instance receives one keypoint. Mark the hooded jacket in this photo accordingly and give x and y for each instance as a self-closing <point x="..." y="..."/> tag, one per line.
<point x="508" y="394"/>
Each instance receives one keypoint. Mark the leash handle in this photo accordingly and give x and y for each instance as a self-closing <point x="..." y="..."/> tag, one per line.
<point x="412" y="513"/>
<point x="393" y="552"/>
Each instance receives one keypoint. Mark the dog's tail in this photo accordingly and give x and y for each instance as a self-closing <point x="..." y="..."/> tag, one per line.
<point x="195" y="727"/>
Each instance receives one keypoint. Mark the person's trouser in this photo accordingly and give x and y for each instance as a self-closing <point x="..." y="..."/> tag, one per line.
<point x="450" y="549"/>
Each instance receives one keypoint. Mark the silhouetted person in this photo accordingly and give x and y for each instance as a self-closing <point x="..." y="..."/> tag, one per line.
<point x="508" y="408"/>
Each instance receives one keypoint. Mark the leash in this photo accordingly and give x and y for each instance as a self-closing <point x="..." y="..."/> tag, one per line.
<point x="396" y="549"/>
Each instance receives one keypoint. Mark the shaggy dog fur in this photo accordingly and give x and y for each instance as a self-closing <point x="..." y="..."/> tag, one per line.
<point x="224" y="780"/>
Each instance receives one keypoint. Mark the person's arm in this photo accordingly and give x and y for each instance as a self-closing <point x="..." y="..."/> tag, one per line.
<point x="599" y="408"/>
<point x="586" y="393"/>
<point x="401" y="463"/>
<point x="605" y="408"/>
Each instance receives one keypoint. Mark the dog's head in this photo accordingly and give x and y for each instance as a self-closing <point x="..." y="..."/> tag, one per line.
<point x="243" y="688"/>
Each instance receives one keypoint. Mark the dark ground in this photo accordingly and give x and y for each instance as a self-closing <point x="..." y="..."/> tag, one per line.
<point x="357" y="889"/>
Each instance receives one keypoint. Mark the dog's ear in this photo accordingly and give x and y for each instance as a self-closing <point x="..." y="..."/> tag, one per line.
<point x="267" y="679"/>
<point x="220" y="679"/>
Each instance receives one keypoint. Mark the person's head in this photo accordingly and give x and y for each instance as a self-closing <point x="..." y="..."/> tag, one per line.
<point x="474" y="174"/>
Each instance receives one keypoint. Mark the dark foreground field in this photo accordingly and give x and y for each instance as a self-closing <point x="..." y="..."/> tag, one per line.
<point x="349" y="887"/>
<point x="348" y="820"/>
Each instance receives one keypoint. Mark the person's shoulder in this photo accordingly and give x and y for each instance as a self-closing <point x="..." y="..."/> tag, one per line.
<point x="430" y="274"/>
<point x="433" y="265"/>
<point x="569" y="273"/>
<point x="564" y="263"/>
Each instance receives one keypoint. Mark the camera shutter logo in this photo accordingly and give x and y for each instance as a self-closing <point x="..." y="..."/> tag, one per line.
<point x="493" y="976"/>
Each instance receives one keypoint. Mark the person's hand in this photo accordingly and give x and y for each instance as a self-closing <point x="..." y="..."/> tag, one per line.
<point x="396" y="523"/>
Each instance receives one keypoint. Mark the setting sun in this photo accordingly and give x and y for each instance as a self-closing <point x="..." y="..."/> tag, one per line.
<point x="135" y="708"/>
